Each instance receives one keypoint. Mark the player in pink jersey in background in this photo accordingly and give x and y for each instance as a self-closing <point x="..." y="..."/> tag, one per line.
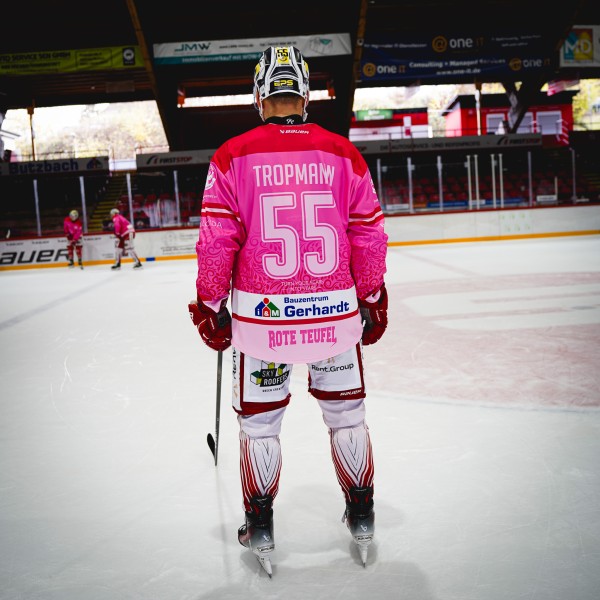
<point x="124" y="245"/>
<point x="74" y="231"/>
<point x="292" y="229"/>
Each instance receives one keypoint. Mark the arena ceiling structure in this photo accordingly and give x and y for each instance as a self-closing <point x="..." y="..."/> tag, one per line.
<point x="67" y="52"/>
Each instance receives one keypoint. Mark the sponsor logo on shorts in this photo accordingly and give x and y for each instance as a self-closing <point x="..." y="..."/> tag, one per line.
<point x="350" y="392"/>
<point x="270" y="375"/>
<point x="333" y="368"/>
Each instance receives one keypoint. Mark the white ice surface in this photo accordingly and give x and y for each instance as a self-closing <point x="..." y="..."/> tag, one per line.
<point x="483" y="406"/>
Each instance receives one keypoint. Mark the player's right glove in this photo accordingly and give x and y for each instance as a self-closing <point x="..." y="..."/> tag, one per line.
<point x="374" y="317"/>
<point x="214" y="327"/>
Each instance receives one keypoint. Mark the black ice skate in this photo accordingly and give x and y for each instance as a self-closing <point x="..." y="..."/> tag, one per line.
<point x="71" y="262"/>
<point x="116" y="266"/>
<point x="257" y="532"/>
<point x="80" y="264"/>
<point x="360" y="519"/>
<point x="138" y="265"/>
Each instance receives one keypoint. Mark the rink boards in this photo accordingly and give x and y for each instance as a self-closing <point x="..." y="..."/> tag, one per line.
<point x="431" y="228"/>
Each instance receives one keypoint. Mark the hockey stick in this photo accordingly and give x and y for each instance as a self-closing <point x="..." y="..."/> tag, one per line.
<point x="213" y="442"/>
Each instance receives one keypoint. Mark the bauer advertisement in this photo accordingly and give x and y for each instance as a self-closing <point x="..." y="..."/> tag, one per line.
<point x="97" y="249"/>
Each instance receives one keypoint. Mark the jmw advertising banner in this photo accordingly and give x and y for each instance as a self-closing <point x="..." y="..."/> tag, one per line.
<point x="445" y="57"/>
<point x="197" y="51"/>
<point x="582" y="47"/>
<point x="69" y="61"/>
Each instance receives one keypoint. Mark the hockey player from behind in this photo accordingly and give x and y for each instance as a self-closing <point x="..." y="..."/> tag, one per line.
<point x="74" y="232"/>
<point x="291" y="226"/>
<point x="124" y="234"/>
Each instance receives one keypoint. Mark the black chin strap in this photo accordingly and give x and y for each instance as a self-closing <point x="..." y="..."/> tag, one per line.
<point x="289" y="120"/>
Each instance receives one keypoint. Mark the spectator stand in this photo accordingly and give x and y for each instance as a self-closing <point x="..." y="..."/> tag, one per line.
<point x="36" y="196"/>
<point x="172" y="184"/>
<point x="491" y="177"/>
<point x="418" y="175"/>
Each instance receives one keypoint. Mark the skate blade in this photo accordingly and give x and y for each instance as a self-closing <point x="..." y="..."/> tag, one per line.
<point x="363" y="554"/>
<point x="265" y="563"/>
<point x="363" y="542"/>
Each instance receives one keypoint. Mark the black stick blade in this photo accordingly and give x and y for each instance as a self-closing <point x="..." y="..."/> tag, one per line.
<point x="211" y="444"/>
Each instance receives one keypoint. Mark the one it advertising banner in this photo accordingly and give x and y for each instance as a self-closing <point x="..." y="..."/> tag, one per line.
<point x="197" y="51"/>
<point x="581" y="47"/>
<point x="445" y="57"/>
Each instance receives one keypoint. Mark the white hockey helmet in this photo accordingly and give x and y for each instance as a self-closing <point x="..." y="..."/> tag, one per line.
<point x="281" y="69"/>
<point x="74" y="215"/>
<point x="114" y="211"/>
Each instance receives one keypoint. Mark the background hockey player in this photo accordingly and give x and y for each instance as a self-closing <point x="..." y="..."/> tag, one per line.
<point x="74" y="232"/>
<point x="125" y="234"/>
<point x="291" y="220"/>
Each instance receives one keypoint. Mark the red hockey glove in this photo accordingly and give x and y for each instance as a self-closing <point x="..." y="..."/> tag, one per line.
<point x="214" y="328"/>
<point x="374" y="317"/>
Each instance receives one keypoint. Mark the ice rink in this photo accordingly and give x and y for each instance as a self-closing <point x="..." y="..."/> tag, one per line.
<point x="483" y="406"/>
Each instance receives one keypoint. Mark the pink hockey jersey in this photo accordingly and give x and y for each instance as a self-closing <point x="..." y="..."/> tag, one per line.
<point x="73" y="229"/>
<point x="122" y="226"/>
<point x="291" y="226"/>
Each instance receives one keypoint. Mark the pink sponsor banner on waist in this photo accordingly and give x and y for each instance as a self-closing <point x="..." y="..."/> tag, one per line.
<point x="296" y="327"/>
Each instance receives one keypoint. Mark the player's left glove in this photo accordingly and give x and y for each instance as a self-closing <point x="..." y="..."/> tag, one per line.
<point x="214" y="327"/>
<point x="374" y="316"/>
